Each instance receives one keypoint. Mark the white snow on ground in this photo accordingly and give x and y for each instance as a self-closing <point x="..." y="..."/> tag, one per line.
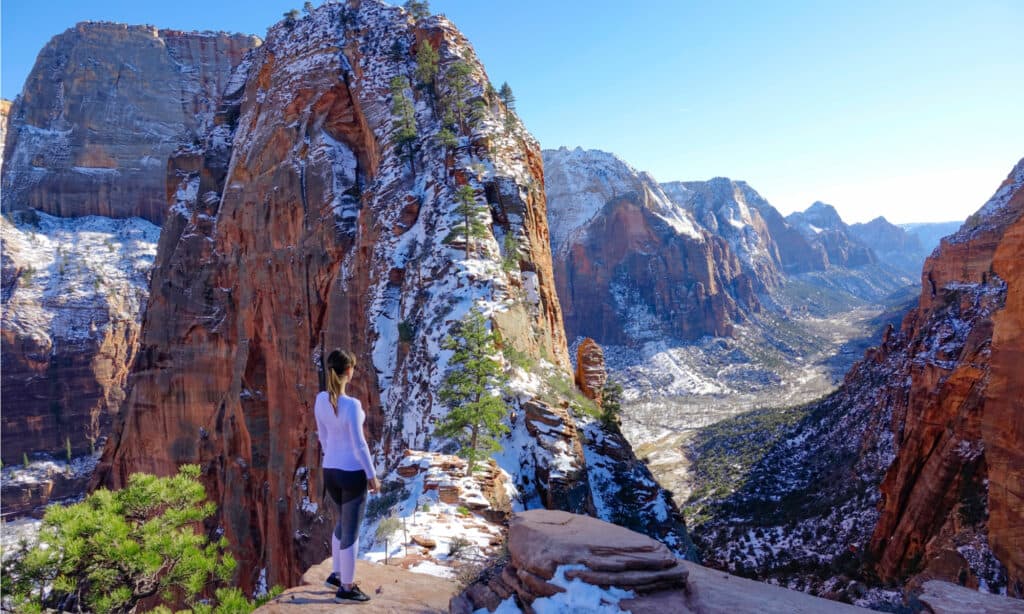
<point x="423" y="514"/>
<point x="41" y="470"/>
<point x="14" y="532"/>
<point x="578" y="597"/>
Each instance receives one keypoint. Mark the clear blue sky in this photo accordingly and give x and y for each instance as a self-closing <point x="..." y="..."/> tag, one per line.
<point x="908" y="109"/>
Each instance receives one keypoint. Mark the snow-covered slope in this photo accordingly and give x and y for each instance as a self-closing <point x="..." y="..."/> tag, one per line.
<point x="732" y="210"/>
<point x="73" y="294"/>
<point x="579" y="183"/>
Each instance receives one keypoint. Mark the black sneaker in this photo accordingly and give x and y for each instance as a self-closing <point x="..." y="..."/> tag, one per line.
<point x="333" y="581"/>
<point x="354" y="594"/>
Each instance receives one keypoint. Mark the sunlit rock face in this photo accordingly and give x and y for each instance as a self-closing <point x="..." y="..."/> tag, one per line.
<point x="959" y="437"/>
<point x="631" y="264"/>
<point x="84" y="183"/>
<point x="299" y="223"/>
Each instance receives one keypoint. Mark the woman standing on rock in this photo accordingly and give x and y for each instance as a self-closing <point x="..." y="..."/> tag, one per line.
<point x="348" y="469"/>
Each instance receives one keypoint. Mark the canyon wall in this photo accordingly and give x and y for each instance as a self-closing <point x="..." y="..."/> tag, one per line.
<point x="86" y="157"/>
<point x="308" y="219"/>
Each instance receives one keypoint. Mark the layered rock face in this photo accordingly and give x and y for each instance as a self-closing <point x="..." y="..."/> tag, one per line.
<point x="563" y="562"/>
<point x="630" y="264"/>
<point x="5" y="117"/>
<point x="89" y="140"/>
<point x="73" y="294"/>
<point x="732" y="210"/>
<point x="101" y="112"/>
<point x="301" y="223"/>
<point x="959" y="440"/>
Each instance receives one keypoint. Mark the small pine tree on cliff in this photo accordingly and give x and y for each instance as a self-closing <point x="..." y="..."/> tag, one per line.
<point x="459" y="82"/>
<point x="405" y="117"/>
<point x="507" y="97"/>
<point x="611" y="402"/>
<point x="427" y="60"/>
<point x="419" y="9"/>
<point x="470" y="210"/>
<point x="469" y="390"/>
<point x="111" y="551"/>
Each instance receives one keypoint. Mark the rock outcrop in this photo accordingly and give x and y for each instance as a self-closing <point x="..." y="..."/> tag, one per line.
<point x="732" y="210"/>
<point x="631" y="265"/>
<point x="958" y="437"/>
<point x="948" y="598"/>
<point x="103" y="109"/>
<point x="582" y="564"/>
<point x="392" y="589"/>
<point x="893" y="245"/>
<point x="591" y="375"/>
<point x="303" y="222"/>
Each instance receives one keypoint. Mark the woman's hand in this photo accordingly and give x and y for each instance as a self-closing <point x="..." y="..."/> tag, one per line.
<point x="373" y="485"/>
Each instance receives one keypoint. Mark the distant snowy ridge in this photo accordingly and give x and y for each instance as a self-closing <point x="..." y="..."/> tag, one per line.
<point x="580" y="183"/>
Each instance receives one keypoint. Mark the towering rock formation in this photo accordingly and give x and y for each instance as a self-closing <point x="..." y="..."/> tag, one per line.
<point x="931" y="487"/>
<point x="89" y="139"/>
<point x="732" y="210"/>
<point x="591" y="375"/>
<point x="892" y="244"/>
<point x="820" y="223"/>
<point x="630" y="264"/>
<point x="101" y="112"/>
<point x="956" y="476"/>
<point x="308" y="214"/>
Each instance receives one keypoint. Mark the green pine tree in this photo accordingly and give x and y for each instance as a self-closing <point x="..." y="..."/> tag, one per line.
<point x="405" y="116"/>
<point x="419" y="9"/>
<point x="474" y="420"/>
<point x="471" y="211"/>
<point x="426" y="66"/>
<point x="611" y="402"/>
<point x="115" y="549"/>
<point x="459" y="82"/>
<point x="447" y="139"/>
<point x="509" y="99"/>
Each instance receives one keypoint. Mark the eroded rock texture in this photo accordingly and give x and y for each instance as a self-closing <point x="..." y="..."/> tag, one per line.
<point x="959" y="436"/>
<point x="590" y="371"/>
<point x="630" y="264"/>
<point x="89" y="140"/>
<point x="299" y="222"/>
<point x="103" y="109"/>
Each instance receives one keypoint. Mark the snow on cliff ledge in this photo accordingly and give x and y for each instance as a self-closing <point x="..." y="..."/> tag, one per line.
<point x="579" y="183"/>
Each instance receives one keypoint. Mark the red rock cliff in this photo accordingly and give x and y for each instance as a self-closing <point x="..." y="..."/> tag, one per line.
<point x="91" y="134"/>
<point x="299" y="217"/>
<point x="960" y="426"/>
<point x="631" y="265"/>
<point x="101" y="112"/>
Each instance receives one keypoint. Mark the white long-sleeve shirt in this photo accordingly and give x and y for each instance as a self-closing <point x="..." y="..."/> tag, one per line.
<point x="341" y="436"/>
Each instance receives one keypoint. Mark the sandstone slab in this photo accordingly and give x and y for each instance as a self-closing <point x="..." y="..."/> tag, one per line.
<point x="948" y="598"/>
<point x="391" y="589"/>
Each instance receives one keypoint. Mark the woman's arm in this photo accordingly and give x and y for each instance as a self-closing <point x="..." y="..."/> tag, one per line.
<point x="362" y="450"/>
<point x="322" y="404"/>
